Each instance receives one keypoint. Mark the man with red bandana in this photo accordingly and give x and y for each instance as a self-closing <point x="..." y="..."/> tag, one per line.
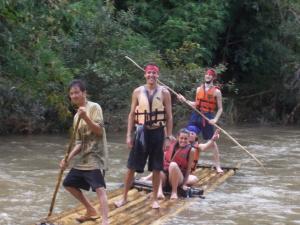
<point x="208" y="101"/>
<point x="151" y="116"/>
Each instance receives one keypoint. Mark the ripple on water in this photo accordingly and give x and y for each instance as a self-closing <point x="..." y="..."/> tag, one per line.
<point x="5" y="219"/>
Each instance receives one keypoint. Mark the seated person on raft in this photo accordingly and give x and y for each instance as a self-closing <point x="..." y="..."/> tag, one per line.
<point x="194" y="142"/>
<point x="178" y="162"/>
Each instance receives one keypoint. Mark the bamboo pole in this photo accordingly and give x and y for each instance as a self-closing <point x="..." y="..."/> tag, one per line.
<point x="69" y="218"/>
<point x="79" y="208"/>
<point x="138" y="210"/>
<point x="218" y="181"/>
<point x="152" y="216"/>
<point x="131" y="212"/>
<point x="204" y="181"/>
<point x="148" y="214"/>
<point x="228" y="174"/>
<point x="129" y="205"/>
<point x="201" y="174"/>
<point x="195" y="109"/>
<point x="62" y="170"/>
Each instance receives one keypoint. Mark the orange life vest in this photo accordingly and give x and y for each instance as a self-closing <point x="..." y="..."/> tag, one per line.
<point x="150" y="110"/>
<point x="179" y="155"/>
<point x="206" y="100"/>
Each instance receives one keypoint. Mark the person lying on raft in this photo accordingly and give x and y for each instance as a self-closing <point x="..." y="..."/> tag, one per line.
<point x="178" y="162"/>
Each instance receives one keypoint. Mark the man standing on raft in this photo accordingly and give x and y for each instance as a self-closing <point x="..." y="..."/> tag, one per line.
<point x="208" y="99"/>
<point x="150" y="114"/>
<point x="91" y="150"/>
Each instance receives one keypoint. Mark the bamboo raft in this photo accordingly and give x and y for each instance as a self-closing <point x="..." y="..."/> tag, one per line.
<point x="138" y="210"/>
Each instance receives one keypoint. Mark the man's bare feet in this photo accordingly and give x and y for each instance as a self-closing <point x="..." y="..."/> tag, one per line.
<point x="219" y="170"/>
<point x="86" y="218"/>
<point x="120" y="203"/>
<point x="91" y="212"/>
<point x="155" y="205"/>
<point x="174" y="196"/>
<point x="160" y="196"/>
<point x="104" y="222"/>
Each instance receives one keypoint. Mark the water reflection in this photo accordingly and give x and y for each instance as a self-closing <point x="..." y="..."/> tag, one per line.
<point x="29" y="169"/>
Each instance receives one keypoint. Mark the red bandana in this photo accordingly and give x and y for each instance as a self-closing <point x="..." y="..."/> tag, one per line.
<point x="152" y="68"/>
<point x="211" y="72"/>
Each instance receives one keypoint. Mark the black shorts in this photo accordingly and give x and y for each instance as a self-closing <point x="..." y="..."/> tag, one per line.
<point x="85" y="179"/>
<point x="204" y="127"/>
<point x="152" y="150"/>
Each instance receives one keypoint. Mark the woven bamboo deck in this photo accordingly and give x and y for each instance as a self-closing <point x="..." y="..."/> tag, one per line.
<point x="138" y="210"/>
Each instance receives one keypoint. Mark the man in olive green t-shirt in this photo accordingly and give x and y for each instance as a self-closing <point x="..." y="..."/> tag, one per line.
<point x="91" y="151"/>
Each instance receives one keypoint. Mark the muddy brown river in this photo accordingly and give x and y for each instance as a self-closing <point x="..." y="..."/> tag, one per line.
<point x="29" y="170"/>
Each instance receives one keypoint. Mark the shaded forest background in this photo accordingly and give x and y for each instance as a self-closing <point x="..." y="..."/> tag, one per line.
<point x="254" y="45"/>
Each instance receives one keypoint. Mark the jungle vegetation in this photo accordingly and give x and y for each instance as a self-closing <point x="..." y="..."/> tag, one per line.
<point x="44" y="44"/>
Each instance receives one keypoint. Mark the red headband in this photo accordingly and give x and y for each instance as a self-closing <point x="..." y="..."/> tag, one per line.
<point x="152" y="68"/>
<point x="211" y="72"/>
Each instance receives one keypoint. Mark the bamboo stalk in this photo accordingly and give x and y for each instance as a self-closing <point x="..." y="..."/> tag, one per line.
<point x="148" y="213"/>
<point x="138" y="209"/>
<point x="211" y="166"/>
<point x="132" y="212"/>
<point x="150" y="217"/>
<point x="219" y="181"/>
<point x="174" y="211"/>
<point x="206" y="178"/>
<point x="202" y="174"/>
<point x="228" y="174"/>
<point x="128" y="206"/>
<point x="62" y="170"/>
<point x="71" y="215"/>
<point x="212" y="180"/>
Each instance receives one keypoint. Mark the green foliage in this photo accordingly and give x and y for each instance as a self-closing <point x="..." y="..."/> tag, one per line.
<point x="96" y="53"/>
<point x="27" y="55"/>
<point x="262" y="48"/>
<point x="44" y="44"/>
<point x="255" y="46"/>
<point x="174" y="25"/>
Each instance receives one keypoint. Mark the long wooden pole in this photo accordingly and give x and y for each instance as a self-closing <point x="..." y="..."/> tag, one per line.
<point x="195" y="109"/>
<point x="62" y="170"/>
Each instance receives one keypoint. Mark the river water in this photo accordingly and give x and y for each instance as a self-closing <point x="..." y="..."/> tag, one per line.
<point x="29" y="170"/>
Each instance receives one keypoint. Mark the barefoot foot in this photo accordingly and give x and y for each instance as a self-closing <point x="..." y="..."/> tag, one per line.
<point x="160" y="196"/>
<point x="104" y="222"/>
<point x="120" y="203"/>
<point x="219" y="170"/>
<point x="174" y="196"/>
<point x="155" y="205"/>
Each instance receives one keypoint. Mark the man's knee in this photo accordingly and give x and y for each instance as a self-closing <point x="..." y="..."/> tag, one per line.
<point x="173" y="166"/>
<point x="101" y="191"/>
